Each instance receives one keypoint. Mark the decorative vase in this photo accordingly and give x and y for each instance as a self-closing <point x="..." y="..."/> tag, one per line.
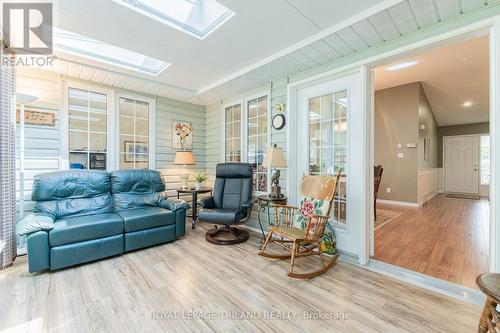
<point x="197" y="186"/>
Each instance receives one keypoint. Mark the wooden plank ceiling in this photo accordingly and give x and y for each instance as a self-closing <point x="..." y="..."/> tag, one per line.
<point x="402" y="19"/>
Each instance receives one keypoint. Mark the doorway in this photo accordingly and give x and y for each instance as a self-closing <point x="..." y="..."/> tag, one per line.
<point x="431" y="110"/>
<point x="461" y="164"/>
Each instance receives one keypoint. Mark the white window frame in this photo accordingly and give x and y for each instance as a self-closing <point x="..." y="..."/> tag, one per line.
<point x="152" y="129"/>
<point x="110" y="126"/>
<point x="244" y="129"/>
<point x="113" y="127"/>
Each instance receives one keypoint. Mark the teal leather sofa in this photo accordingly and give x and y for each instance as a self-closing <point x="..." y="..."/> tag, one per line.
<point x="81" y="216"/>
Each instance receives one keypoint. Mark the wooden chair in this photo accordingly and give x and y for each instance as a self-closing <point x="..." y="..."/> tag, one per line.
<point x="489" y="284"/>
<point x="308" y="240"/>
<point x="377" y="173"/>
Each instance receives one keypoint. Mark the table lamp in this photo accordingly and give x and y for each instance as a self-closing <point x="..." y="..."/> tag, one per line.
<point x="275" y="159"/>
<point x="184" y="158"/>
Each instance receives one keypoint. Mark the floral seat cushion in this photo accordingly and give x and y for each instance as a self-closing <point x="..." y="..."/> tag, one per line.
<point x="310" y="206"/>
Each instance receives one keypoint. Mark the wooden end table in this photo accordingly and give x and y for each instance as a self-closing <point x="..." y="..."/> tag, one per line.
<point x="266" y="202"/>
<point x="489" y="284"/>
<point x="194" y="208"/>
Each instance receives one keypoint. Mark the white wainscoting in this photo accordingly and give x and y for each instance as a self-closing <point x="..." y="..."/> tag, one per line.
<point x="430" y="183"/>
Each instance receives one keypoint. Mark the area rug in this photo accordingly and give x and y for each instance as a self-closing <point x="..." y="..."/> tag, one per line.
<point x="384" y="217"/>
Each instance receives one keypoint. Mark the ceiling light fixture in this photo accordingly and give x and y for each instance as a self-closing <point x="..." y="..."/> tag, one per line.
<point x="400" y="66"/>
<point x="467" y="104"/>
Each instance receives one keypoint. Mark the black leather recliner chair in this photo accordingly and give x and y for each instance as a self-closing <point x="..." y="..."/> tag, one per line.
<point x="231" y="203"/>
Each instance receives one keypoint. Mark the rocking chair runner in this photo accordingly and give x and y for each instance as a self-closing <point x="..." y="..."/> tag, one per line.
<point x="305" y="241"/>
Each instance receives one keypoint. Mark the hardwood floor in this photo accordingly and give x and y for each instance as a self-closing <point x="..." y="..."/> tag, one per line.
<point x="447" y="239"/>
<point x="153" y="290"/>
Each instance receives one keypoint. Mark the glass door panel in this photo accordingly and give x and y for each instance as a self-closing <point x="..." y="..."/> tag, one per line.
<point x="328" y="145"/>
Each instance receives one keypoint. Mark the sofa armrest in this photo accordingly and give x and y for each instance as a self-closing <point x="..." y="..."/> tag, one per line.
<point x="34" y="222"/>
<point x="173" y="204"/>
<point x="207" y="202"/>
<point x="38" y="251"/>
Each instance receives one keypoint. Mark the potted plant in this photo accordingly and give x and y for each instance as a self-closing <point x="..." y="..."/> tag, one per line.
<point x="199" y="178"/>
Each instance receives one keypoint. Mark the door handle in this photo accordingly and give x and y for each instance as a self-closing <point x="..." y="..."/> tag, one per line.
<point x="475" y="169"/>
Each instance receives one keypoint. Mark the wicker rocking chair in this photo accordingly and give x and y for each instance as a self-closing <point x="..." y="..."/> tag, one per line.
<point x="308" y="239"/>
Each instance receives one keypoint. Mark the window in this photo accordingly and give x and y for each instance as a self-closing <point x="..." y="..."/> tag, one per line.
<point x="247" y="136"/>
<point x="197" y="18"/>
<point x="232" y="127"/>
<point x="485" y="159"/>
<point x="257" y="143"/>
<point x="96" y="50"/>
<point x="134" y="133"/>
<point x="328" y="144"/>
<point x="87" y="113"/>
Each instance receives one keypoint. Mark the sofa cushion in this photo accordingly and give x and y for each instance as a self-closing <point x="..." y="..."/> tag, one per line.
<point x="72" y="193"/>
<point x="146" y="218"/>
<point x="221" y="216"/>
<point x="136" y="189"/>
<point x="82" y="228"/>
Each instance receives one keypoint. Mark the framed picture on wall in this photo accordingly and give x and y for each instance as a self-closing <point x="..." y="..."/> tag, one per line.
<point x="182" y="135"/>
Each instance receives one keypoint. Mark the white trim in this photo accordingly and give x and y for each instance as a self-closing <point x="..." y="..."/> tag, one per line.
<point x="397" y="203"/>
<point x="305" y="42"/>
<point x="479" y="28"/>
<point x="292" y="90"/>
<point x="223" y="146"/>
<point x="151" y="123"/>
<point x="64" y="125"/>
<point x="444" y="287"/>
<point x="494" y="57"/>
<point x="244" y="157"/>
<point x="428" y="199"/>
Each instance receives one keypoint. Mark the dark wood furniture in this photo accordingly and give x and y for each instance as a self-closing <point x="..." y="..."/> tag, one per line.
<point x="489" y="284"/>
<point x="266" y="202"/>
<point x="377" y="178"/>
<point x="194" y="192"/>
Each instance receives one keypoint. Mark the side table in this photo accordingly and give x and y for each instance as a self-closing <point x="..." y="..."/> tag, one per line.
<point x="194" y="207"/>
<point x="266" y="202"/>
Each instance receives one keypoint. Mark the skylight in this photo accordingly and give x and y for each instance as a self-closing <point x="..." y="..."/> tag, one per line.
<point x="197" y="18"/>
<point x="96" y="50"/>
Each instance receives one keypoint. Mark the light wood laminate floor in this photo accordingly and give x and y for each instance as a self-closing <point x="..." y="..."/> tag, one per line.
<point x="447" y="238"/>
<point x="153" y="290"/>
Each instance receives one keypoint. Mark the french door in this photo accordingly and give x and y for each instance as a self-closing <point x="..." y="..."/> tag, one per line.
<point x="461" y="164"/>
<point x="331" y="131"/>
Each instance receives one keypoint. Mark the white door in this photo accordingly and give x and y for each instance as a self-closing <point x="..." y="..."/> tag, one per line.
<point x="461" y="164"/>
<point x="330" y="133"/>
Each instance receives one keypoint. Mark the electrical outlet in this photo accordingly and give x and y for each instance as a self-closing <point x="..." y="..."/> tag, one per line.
<point x="401" y="155"/>
<point x="388" y="190"/>
<point x="400" y="146"/>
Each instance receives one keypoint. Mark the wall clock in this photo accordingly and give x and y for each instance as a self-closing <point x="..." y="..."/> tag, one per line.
<point x="278" y="121"/>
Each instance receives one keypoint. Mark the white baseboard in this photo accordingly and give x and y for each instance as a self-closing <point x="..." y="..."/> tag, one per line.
<point x="398" y="203"/>
<point x="454" y="290"/>
<point x="429" y="198"/>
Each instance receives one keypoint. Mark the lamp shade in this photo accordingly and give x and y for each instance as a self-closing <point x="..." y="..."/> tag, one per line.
<point x="184" y="158"/>
<point x="274" y="158"/>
